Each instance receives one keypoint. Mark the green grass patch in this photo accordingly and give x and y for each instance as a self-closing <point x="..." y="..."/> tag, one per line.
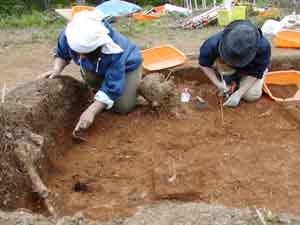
<point x="131" y="28"/>
<point x="34" y="19"/>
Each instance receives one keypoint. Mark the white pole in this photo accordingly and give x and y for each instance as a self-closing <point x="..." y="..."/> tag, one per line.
<point x="204" y="4"/>
<point x="3" y="93"/>
<point x="196" y="4"/>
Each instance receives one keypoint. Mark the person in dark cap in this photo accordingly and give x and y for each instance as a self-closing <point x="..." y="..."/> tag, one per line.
<point x="238" y="55"/>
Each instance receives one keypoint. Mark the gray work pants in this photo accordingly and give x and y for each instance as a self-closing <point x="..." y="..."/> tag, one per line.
<point x="127" y="101"/>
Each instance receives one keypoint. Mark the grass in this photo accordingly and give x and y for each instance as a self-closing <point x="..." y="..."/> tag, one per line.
<point x="29" y="28"/>
<point x="131" y="28"/>
<point x="34" y="19"/>
<point x="38" y="27"/>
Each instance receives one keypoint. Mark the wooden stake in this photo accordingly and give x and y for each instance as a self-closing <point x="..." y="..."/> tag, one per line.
<point x="261" y="217"/>
<point x="222" y="111"/>
<point x="3" y="93"/>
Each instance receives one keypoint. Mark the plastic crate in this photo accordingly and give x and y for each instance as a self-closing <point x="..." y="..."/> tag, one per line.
<point x="224" y="17"/>
<point x="162" y="57"/>
<point x="238" y="13"/>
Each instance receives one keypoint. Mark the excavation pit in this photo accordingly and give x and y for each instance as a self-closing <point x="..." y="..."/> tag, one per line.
<point x="249" y="158"/>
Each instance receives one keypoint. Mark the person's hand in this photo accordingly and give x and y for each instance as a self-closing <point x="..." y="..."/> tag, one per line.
<point x="49" y="74"/>
<point x="233" y="100"/>
<point x="85" y="121"/>
<point x="223" y="90"/>
<point x="88" y="116"/>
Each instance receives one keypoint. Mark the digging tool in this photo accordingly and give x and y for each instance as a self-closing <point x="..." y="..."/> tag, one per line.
<point x="201" y="103"/>
<point x="3" y="93"/>
<point x="225" y="95"/>
<point x="222" y="111"/>
<point x="77" y="138"/>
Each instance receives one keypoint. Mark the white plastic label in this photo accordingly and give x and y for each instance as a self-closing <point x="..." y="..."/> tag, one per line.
<point x="185" y="96"/>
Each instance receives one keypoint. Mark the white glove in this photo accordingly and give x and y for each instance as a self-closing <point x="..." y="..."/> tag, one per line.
<point x="233" y="100"/>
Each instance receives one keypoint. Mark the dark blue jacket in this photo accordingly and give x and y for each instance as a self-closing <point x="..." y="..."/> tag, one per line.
<point x="112" y="66"/>
<point x="209" y="53"/>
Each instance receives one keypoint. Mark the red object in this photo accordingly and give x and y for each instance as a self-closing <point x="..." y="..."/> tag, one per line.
<point x="205" y="20"/>
<point x="159" y="9"/>
<point x="78" y="8"/>
<point x="142" y="16"/>
<point x="287" y="39"/>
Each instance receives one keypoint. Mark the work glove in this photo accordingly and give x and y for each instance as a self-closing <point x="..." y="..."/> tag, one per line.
<point x="49" y="74"/>
<point x="85" y="121"/>
<point x="233" y="100"/>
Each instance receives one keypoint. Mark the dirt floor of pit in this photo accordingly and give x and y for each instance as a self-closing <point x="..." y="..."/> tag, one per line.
<point x="254" y="160"/>
<point x="128" y="161"/>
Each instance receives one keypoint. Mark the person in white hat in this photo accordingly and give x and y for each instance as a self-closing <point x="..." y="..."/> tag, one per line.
<point x="109" y="63"/>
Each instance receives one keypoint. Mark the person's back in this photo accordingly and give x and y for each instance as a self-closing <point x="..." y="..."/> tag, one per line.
<point x="245" y="53"/>
<point x="110" y="63"/>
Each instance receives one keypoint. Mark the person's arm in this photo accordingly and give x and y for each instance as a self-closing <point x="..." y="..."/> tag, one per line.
<point x="246" y="85"/>
<point x="111" y="88"/>
<point x="236" y="97"/>
<point x="88" y="116"/>
<point x="208" y="55"/>
<point x="61" y="57"/>
<point x="211" y="74"/>
<point x="58" y="66"/>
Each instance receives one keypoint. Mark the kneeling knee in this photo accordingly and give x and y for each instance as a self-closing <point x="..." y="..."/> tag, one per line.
<point x="123" y="109"/>
<point x="252" y="97"/>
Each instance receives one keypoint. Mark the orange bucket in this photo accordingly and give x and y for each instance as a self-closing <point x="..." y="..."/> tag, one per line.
<point x="141" y="16"/>
<point x="287" y="39"/>
<point x="159" y="9"/>
<point x="162" y="57"/>
<point x="288" y="77"/>
<point x="78" y="8"/>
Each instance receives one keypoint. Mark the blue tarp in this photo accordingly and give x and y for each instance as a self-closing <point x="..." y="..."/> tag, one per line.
<point x="118" y="8"/>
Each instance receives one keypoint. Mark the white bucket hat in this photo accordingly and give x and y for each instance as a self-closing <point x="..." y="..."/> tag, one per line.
<point x="86" y="32"/>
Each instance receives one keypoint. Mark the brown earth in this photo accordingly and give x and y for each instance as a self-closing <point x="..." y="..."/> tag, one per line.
<point x="29" y="133"/>
<point x="250" y="160"/>
<point x="164" y="213"/>
<point x="284" y="91"/>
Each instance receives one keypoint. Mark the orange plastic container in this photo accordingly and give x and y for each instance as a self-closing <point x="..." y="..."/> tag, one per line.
<point x="269" y="12"/>
<point x="141" y="16"/>
<point x="287" y="39"/>
<point x="288" y="77"/>
<point x="159" y="9"/>
<point x="78" y="8"/>
<point x="162" y="57"/>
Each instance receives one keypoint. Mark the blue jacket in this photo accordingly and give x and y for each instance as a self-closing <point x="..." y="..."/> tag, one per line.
<point x="112" y="66"/>
<point x="209" y="52"/>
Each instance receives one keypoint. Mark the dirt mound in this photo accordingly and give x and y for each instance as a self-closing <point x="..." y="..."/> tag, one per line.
<point x="33" y="118"/>
<point x="157" y="90"/>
